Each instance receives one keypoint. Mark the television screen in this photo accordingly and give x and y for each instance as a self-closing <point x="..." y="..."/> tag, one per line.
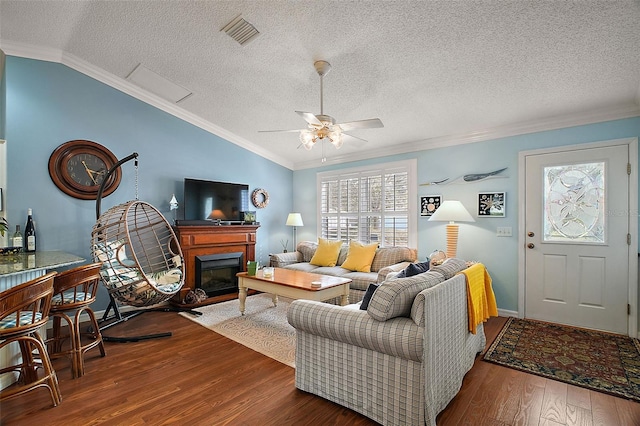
<point x="209" y="200"/>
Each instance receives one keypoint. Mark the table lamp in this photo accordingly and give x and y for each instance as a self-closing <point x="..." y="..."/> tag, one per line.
<point x="452" y="211"/>
<point x="294" y="219"/>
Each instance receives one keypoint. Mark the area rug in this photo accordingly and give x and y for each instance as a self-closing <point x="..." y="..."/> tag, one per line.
<point x="263" y="328"/>
<point x="595" y="360"/>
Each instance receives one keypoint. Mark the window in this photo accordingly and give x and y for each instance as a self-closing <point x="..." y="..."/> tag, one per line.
<point x="369" y="204"/>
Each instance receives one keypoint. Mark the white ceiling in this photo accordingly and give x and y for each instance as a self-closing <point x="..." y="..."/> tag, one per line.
<point x="434" y="72"/>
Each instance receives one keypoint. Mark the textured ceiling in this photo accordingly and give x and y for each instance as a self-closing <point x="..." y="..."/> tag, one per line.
<point x="434" y="72"/>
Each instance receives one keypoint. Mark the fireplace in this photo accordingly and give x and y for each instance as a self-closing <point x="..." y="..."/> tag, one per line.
<point x="216" y="273"/>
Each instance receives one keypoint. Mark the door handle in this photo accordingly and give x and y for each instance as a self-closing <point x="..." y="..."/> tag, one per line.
<point x="530" y="234"/>
<point x="530" y="245"/>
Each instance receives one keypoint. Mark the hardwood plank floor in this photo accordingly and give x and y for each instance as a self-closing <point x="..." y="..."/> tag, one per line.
<point x="198" y="377"/>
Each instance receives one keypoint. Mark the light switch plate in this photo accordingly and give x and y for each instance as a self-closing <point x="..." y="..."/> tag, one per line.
<point x="504" y="231"/>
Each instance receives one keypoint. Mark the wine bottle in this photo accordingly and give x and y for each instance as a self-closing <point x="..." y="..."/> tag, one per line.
<point x="30" y="233"/>
<point x="16" y="240"/>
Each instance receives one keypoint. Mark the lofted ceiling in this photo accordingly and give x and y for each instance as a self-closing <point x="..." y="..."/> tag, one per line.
<point x="435" y="72"/>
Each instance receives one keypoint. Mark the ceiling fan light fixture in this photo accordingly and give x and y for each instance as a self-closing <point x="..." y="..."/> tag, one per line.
<point x="307" y="138"/>
<point x="335" y="136"/>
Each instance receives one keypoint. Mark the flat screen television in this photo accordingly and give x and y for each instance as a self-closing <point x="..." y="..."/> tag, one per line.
<point x="206" y="200"/>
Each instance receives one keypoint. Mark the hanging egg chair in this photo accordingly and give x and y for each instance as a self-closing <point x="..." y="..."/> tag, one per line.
<point x="142" y="261"/>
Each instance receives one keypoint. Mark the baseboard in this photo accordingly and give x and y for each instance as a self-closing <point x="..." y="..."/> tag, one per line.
<point x="507" y="313"/>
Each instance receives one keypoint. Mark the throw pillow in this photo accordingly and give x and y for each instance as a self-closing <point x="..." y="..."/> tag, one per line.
<point x="360" y="256"/>
<point x="367" y="296"/>
<point x="414" y="269"/>
<point x="327" y="253"/>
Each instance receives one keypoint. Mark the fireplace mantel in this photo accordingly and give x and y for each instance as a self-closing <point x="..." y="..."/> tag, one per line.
<point x="202" y="240"/>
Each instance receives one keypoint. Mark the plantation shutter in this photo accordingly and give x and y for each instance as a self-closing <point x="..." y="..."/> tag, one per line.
<point x="368" y="205"/>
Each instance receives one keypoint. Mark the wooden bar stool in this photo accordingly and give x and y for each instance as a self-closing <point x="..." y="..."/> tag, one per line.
<point x="73" y="291"/>
<point x="24" y="309"/>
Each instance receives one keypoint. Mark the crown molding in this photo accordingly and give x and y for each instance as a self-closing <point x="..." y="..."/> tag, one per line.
<point x="118" y="83"/>
<point x="550" y="123"/>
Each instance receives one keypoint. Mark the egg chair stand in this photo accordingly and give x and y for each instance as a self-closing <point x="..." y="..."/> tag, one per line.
<point x="141" y="257"/>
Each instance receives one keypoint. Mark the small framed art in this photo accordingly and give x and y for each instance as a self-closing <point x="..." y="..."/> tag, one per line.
<point x="492" y="204"/>
<point x="429" y="204"/>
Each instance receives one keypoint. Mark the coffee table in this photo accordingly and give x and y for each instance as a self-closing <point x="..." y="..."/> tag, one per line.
<point x="295" y="285"/>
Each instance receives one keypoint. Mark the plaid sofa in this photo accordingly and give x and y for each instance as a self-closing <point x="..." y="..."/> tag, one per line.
<point x="386" y="260"/>
<point x="401" y="361"/>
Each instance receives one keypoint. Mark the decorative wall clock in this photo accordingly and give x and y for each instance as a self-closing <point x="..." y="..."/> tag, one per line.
<point x="260" y="198"/>
<point x="78" y="168"/>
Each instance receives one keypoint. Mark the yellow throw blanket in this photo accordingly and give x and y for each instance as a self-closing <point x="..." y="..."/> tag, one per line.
<point x="481" y="302"/>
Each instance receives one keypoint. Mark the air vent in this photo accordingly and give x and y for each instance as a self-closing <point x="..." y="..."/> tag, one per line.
<point x="241" y="31"/>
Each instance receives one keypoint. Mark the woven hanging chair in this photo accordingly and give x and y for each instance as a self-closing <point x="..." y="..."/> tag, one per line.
<point x="142" y="260"/>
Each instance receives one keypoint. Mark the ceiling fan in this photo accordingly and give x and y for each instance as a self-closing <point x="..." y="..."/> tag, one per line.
<point x="321" y="126"/>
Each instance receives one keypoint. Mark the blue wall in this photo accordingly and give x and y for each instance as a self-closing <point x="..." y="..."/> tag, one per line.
<point x="49" y="104"/>
<point x="477" y="241"/>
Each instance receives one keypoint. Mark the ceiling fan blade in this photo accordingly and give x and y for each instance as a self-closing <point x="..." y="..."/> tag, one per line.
<point x="353" y="140"/>
<point x="282" y="131"/>
<point x="361" y="124"/>
<point x="310" y="118"/>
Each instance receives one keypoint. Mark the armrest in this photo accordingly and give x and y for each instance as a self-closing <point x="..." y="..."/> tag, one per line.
<point x="278" y="260"/>
<point x="399" y="337"/>
<point x="382" y="273"/>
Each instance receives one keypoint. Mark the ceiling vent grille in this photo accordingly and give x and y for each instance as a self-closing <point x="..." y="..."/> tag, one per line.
<point x="241" y="31"/>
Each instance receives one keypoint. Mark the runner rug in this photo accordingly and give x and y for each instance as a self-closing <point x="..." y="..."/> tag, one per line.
<point x="595" y="360"/>
<point x="263" y="328"/>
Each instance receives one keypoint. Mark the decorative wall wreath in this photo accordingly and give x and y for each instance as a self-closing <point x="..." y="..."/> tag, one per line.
<point x="260" y="198"/>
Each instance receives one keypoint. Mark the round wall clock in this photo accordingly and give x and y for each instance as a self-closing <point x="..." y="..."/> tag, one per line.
<point x="78" y="168"/>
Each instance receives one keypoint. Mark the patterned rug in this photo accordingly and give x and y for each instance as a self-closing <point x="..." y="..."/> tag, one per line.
<point x="263" y="328"/>
<point x="595" y="360"/>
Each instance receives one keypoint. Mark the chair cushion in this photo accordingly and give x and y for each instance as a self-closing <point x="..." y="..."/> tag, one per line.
<point x="68" y="297"/>
<point x="394" y="298"/>
<point x="327" y="253"/>
<point x="360" y="256"/>
<point x="26" y="318"/>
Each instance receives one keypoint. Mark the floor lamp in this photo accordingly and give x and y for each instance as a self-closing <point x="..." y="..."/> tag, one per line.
<point x="295" y="220"/>
<point x="452" y="211"/>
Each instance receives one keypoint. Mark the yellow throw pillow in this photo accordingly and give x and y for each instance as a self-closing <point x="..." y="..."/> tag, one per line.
<point x="327" y="253"/>
<point x="360" y="256"/>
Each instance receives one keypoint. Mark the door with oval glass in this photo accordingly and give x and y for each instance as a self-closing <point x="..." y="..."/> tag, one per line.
<point x="577" y="226"/>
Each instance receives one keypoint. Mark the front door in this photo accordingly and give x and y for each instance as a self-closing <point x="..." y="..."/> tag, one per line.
<point x="577" y="225"/>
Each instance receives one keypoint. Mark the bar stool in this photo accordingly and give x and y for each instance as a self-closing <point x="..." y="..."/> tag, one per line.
<point x="73" y="291"/>
<point x="24" y="309"/>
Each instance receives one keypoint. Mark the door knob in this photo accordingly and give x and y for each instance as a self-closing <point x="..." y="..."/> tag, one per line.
<point x="530" y="245"/>
<point x="530" y="234"/>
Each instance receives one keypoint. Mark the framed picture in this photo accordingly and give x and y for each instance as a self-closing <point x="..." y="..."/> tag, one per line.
<point x="249" y="216"/>
<point x="429" y="204"/>
<point x="492" y="204"/>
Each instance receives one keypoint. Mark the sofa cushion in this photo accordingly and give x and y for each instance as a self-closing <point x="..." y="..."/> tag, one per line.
<point x="367" y="296"/>
<point x="386" y="256"/>
<point x="360" y="256"/>
<point x="327" y="252"/>
<point x="360" y="280"/>
<point x="414" y="269"/>
<point x="394" y="298"/>
<point x="303" y="266"/>
<point x="450" y="267"/>
<point x="307" y="249"/>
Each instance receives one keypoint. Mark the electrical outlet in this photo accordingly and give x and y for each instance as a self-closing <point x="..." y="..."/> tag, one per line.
<point x="504" y="231"/>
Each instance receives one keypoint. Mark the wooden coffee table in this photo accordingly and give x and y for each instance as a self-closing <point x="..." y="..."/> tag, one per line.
<point x="295" y="285"/>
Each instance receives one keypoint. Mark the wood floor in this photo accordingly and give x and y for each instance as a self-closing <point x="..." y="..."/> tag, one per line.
<point x="198" y="377"/>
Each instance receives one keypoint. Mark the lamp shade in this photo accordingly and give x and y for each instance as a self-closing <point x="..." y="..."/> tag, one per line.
<point x="294" y="219"/>
<point x="451" y="211"/>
